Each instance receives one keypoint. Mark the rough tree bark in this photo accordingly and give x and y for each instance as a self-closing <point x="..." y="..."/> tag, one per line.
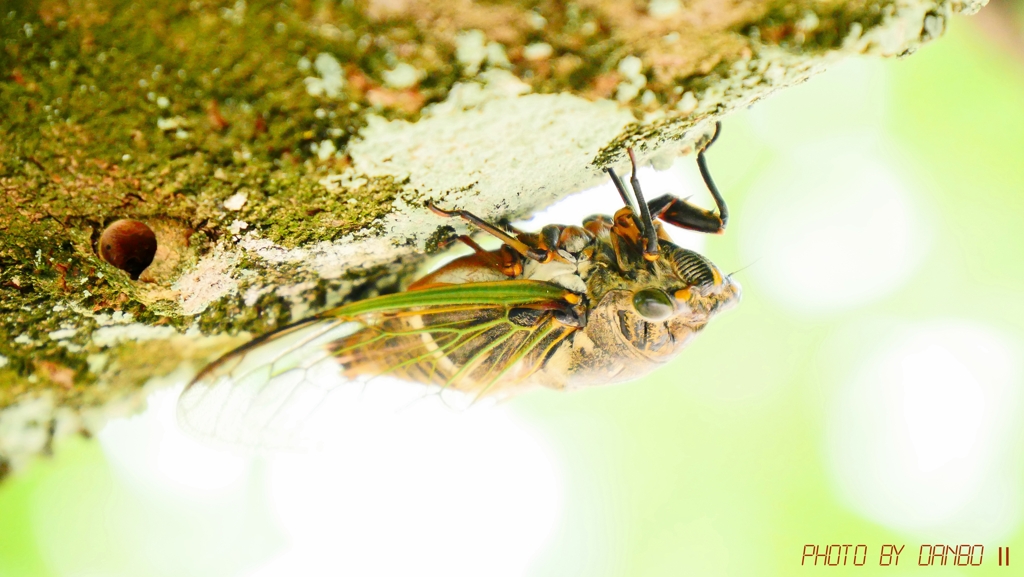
<point x="282" y="153"/>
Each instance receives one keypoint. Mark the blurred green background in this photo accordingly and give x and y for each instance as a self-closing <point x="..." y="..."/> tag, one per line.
<point x="865" y="391"/>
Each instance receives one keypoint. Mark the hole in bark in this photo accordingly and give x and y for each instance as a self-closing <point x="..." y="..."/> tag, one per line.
<point x="129" y="245"/>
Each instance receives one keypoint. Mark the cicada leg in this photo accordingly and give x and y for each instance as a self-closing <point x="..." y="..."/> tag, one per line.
<point x="505" y="259"/>
<point x="483" y="265"/>
<point x="538" y="254"/>
<point x="681" y="213"/>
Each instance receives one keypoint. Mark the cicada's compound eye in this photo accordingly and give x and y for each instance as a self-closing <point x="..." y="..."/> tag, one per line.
<point x="653" y="304"/>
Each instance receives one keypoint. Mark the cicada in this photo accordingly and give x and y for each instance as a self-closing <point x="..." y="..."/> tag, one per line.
<point x="566" y="307"/>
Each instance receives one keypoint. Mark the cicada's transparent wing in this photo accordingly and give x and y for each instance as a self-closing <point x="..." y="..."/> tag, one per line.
<point x="261" y="394"/>
<point x="462" y="341"/>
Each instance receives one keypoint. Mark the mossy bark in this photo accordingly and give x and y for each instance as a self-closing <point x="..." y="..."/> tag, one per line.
<point x="282" y="152"/>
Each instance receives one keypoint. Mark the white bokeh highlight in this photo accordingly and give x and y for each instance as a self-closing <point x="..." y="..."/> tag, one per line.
<point x="853" y="100"/>
<point x="922" y="436"/>
<point x="421" y="491"/>
<point x="832" y="226"/>
<point x="151" y="451"/>
<point x="404" y="485"/>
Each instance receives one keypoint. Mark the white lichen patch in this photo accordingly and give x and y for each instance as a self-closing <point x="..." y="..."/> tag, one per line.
<point x="497" y="56"/>
<point x="330" y="260"/>
<point x="537" y="159"/>
<point x="210" y="280"/>
<point x="35" y="425"/>
<point x="108" y="336"/>
<point x="493" y="85"/>
<point x="538" y="51"/>
<point x="25" y="428"/>
<point x="471" y="50"/>
<point x="336" y="183"/>
<point x="808" y="22"/>
<point x="237" y="226"/>
<point x="664" y="8"/>
<point x="271" y="252"/>
<point x="402" y="76"/>
<point x="296" y="296"/>
<point x="236" y="201"/>
<point x="96" y="362"/>
<point x="114" y="318"/>
<point x="62" y="334"/>
<point x="171" y="124"/>
<point x="331" y="80"/>
<point x="295" y="290"/>
<point x="325" y="149"/>
<point x="253" y="294"/>
<point x="687" y="103"/>
<point x="631" y="69"/>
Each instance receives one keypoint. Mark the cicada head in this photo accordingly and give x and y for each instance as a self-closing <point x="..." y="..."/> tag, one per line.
<point x="643" y="313"/>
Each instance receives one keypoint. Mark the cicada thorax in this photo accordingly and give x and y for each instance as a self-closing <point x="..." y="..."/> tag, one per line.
<point x="619" y="343"/>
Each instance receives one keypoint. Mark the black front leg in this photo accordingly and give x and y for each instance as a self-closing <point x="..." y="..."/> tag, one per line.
<point x="685" y="215"/>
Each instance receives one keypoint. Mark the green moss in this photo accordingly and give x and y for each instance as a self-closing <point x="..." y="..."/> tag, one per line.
<point x="645" y="137"/>
<point x="292" y="211"/>
<point x="441" y="239"/>
<point x="834" y="23"/>
<point x="115" y="109"/>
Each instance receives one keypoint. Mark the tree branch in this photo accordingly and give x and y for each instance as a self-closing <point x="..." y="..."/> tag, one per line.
<point x="282" y="156"/>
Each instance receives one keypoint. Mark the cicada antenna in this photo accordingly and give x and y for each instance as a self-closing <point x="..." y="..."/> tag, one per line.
<point x="744" y="267"/>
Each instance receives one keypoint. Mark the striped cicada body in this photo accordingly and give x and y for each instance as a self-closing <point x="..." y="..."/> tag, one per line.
<point x="563" y="308"/>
